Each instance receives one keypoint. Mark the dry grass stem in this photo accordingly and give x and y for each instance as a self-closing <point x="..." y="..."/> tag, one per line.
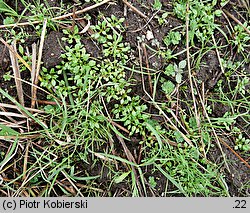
<point x="15" y="107"/>
<point x="39" y="60"/>
<point x="134" y="9"/>
<point x="237" y="21"/>
<point x="33" y="71"/>
<point x="17" y="75"/>
<point x="59" y="17"/>
<point x="16" y="54"/>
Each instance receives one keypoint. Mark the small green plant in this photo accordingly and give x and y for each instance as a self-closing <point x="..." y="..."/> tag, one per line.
<point x="242" y="85"/>
<point x="162" y="19"/>
<point x="72" y="77"/>
<point x="7" y="76"/>
<point x="230" y="67"/>
<point x="176" y="71"/>
<point x="8" y="20"/>
<point x="128" y="110"/>
<point x="172" y="38"/>
<point x="103" y="29"/>
<point x="242" y="143"/>
<point x="116" y="48"/>
<point x="157" y="4"/>
<point x="167" y="86"/>
<point x="131" y="112"/>
<point x="241" y="38"/>
<point x="179" y="166"/>
<point x="152" y="182"/>
<point x="227" y="120"/>
<point x="201" y="15"/>
<point x="168" y="54"/>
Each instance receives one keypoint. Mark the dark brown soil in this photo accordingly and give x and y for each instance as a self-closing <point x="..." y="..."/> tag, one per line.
<point x="53" y="48"/>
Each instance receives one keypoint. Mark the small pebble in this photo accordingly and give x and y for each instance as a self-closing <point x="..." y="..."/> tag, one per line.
<point x="149" y="35"/>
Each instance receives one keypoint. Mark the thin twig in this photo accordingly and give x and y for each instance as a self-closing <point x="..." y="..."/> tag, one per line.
<point x="218" y="55"/>
<point x="190" y="76"/>
<point x="13" y="125"/>
<point x="27" y="180"/>
<point x="45" y="91"/>
<point x="134" y="9"/>
<point x="134" y="31"/>
<point x="147" y="66"/>
<point x="13" y="114"/>
<point x="213" y="130"/>
<point x="237" y="21"/>
<point x="236" y="154"/>
<point x="10" y="137"/>
<point x="119" y="126"/>
<point x="131" y="158"/>
<point x="10" y="118"/>
<point x="25" y="161"/>
<point x="69" y="189"/>
<point x="5" y="161"/>
<point x="86" y="27"/>
<point x="72" y="183"/>
<point x="15" y="107"/>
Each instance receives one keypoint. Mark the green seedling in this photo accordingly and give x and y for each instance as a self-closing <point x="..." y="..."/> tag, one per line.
<point x="176" y="71"/>
<point x="172" y="38"/>
<point x="157" y="5"/>
<point x="152" y="182"/>
<point x="241" y="37"/>
<point x="167" y="86"/>
<point x="242" y="143"/>
<point x="162" y="19"/>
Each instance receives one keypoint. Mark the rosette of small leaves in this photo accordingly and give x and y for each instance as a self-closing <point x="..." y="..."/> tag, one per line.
<point x="117" y="91"/>
<point x="114" y="84"/>
<point x="116" y="23"/>
<point x="108" y="33"/>
<point x="242" y="143"/>
<point x="115" y="52"/>
<point x="172" y="38"/>
<point x="75" y="72"/>
<point x="111" y="70"/>
<point x="132" y="113"/>
<point x="101" y="31"/>
<point x="78" y="63"/>
<point x="167" y="86"/>
<point x="116" y="48"/>
<point x="49" y="78"/>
